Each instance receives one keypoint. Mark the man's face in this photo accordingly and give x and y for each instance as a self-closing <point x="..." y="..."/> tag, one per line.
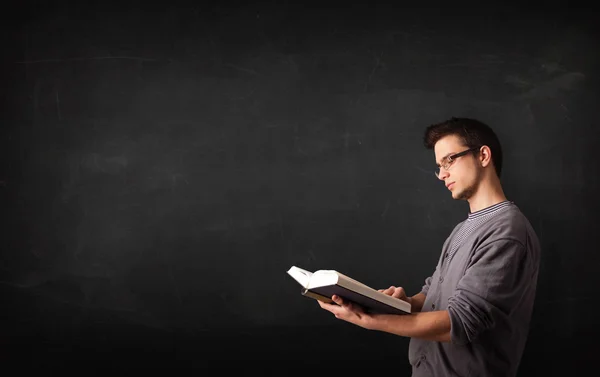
<point x="463" y="175"/>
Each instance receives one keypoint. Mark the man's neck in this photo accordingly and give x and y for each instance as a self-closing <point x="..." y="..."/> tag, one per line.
<point x="489" y="193"/>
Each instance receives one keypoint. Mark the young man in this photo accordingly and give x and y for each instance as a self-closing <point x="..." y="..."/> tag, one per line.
<point x="472" y="316"/>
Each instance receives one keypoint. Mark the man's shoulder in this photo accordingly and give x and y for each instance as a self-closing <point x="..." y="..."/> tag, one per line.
<point x="510" y="224"/>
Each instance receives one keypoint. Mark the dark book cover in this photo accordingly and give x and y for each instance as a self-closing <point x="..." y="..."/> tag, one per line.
<point x="369" y="305"/>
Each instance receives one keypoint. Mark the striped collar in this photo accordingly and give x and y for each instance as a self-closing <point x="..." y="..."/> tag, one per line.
<point x="489" y="210"/>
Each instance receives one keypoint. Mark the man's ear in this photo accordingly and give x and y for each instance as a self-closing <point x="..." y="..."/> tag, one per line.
<point x="485" y="156"/>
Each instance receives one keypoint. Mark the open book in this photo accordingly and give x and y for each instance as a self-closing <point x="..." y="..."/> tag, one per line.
<point x="323" y="284"/>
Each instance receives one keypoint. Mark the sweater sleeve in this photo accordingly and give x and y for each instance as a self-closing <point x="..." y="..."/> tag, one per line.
<point x="425" y="288"/>
<point x="491" y="286"/>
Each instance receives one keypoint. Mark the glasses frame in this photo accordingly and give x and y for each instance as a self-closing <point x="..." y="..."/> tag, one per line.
<point x="447" y="163"/>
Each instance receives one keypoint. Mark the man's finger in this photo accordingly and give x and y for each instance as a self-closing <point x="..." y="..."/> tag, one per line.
<point x="326" y="305"/>
<point x="337" y="299"/>
<point x="390" y="290"/>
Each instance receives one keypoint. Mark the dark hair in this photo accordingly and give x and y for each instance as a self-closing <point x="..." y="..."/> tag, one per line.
<point x="473" y="134"/>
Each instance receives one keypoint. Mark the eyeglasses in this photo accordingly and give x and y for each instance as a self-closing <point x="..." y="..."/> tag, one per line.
<point x="447" y="163"/>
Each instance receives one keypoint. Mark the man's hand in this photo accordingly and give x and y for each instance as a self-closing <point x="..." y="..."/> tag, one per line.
<point x="347" y="311"/>
<point x="397" y="292"/>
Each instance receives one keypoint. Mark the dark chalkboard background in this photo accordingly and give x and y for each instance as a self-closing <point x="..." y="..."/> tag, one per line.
<point x="163" y="166"/>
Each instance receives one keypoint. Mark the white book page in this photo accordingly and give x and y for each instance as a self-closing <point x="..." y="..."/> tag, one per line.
<point x="323" y="278"/>
<point x="300" y="275"/>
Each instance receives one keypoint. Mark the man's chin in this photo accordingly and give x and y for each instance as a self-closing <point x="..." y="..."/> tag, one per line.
<point x="455" y="194"/>
<point x="459" y="195"/>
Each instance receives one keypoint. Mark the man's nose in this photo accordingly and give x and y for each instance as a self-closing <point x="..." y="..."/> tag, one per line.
<point x="443" y="174"/>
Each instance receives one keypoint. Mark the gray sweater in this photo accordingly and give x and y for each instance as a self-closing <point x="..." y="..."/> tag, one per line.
<point x="486" y="278"/>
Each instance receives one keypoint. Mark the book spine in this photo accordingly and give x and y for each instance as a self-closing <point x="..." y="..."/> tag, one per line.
<point x="317" y="296"/>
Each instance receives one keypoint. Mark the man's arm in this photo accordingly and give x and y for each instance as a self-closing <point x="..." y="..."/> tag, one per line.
<point x="433" y="326"/>
<point x="492" y="286"/>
